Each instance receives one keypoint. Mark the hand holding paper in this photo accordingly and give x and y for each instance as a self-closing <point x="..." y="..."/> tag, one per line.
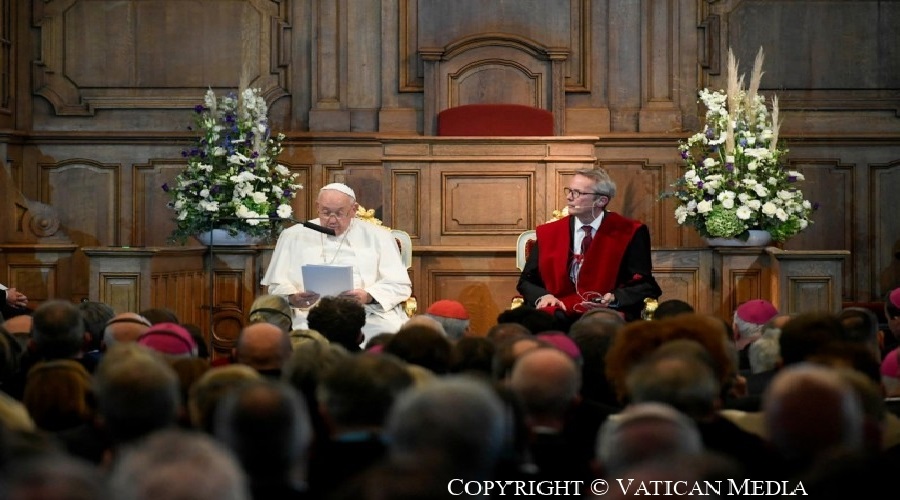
<point x="327" y="280"/>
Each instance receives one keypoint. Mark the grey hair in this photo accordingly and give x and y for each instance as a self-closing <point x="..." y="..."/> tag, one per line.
<point x="178" y="464"/>
<point x="673" y="434"/>
<point x="602" y="182"/>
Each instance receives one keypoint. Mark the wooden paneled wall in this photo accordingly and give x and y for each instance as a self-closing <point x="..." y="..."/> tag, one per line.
<point x="96" y="103"/>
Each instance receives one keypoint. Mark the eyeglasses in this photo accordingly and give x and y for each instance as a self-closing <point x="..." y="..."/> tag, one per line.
<point x="578" y="194"/>
<point x="327" y="214"/>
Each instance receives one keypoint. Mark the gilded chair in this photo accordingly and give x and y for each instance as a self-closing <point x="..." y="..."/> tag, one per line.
<point x="404" y="244"/>
<point x="524" y="244"/>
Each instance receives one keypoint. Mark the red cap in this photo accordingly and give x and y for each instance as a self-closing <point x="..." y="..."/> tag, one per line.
<point x="895" y="297"/>
<point x="756" y="311"/>
<point x="448" y="309"/>
<point x="169" y="338"/>
<point x="890" y="366"/>
<point x="562" y="342"/>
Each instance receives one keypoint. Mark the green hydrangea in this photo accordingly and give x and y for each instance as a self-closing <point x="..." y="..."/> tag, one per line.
<point x="724" y="223"/>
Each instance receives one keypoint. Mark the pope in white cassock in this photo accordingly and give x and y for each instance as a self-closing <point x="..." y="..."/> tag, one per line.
<point x="380" y="280"/>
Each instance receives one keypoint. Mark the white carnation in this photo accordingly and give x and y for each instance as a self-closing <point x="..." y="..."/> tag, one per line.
<point x="704" y="207"/>
<point x="743" y="212"/>
<point x="284" y="210"/>
<point x="769" y="208"/>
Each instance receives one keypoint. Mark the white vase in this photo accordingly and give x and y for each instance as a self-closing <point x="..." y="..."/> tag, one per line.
<point x="220" y="237"/>
<point x="758" y="238"/>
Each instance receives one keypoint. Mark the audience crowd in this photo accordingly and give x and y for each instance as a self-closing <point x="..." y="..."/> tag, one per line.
<point x="104" y="404"/>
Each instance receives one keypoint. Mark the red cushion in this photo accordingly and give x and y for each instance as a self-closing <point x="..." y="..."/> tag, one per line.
<point x="495" y="120"/>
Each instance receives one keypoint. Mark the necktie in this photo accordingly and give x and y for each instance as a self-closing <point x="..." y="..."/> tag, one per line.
<point x="588" y="238"/>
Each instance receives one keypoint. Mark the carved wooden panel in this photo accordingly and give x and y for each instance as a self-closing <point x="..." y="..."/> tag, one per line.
<point x="796" y="59"/>
<point x="367" y="179"/>
<point x="883" y="184"/>
<point x="129" y="54"/>
<point x="406" y="202"/>
<point x="684" y="275"/>
<point x="559" y="23"/>
<point x="184" y="292"/>
<point x="470" y="201"/>
<point x="89" y="220"/>
<point x="811" y="294"/>
<point x="122" y="291"/>
<point x="638" y="184"/>
<point x="39" y="281"/>
<point x="153" y="219"/>
<point x="744" y="277"/>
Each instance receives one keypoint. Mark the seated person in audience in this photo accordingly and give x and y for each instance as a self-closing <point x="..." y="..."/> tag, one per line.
<point x="681" y="373"/>
<point x="422" y="346"/>
<point x="57" y="333"/>
<point x="58" y="395"/>
<point x="861" y="327"/>
<point x="124" y="327"/>
<point x="137" y="394"/>
<point x="266" y="425"/>
<point x="380" y="280"/>
<point x="452" y="315"/>
<point x="592" y="258"/>
<point x="453" y="427"/>
<point x="340" y="320"/>
<point x="169" y="339"/>
<point x="178" y="464"/>
<point x="355" y="396"/>
<point x="96" y="315"/>
<point x="810" y="413"/>
<point x="473" y="356"/>
<point x="642" y="433"/>
<point x="748" y="322"/>
<point x="263" y="347"/>
<point x="210" y="388"/>
<point x="764" y="357"/>
<point x="273" y="309"/>
<point x="563" y="426"/>
<point x="672" y="307"/>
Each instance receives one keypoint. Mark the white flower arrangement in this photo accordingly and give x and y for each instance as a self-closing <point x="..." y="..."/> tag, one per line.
<point x="735" y="179"/>
<point x="232" y="180"/>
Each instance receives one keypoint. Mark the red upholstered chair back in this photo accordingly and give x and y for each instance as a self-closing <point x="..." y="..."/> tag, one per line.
<point x="495" y="120"/>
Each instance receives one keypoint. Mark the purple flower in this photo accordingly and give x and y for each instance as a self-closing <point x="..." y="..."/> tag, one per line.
<point x="729" y="167"/>
<point x="287" y="193"/>
<point x="215" y="189"/>
<point x="684" y="155"/>
<point x="165" y="187"/>
<point x="199" y="108"/>
<point x="792" y="178"/>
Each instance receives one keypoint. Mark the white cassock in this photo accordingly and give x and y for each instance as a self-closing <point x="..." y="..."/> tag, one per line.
<point x="372" y="253"/>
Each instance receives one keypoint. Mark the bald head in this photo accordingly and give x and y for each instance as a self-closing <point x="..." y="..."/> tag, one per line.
<point x="124" y="327"/>
<point x="263" y="346"/>
<point x="547" y="382"/>
<point x="810" y="410"/>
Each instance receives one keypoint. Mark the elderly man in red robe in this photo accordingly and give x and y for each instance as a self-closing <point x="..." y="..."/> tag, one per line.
<point x="592" y="258"/>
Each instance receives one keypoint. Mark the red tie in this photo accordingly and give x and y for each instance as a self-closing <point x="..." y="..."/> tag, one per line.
<point x="588" y="238"/>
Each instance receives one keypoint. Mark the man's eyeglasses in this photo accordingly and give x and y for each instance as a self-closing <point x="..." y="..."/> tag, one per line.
<point x="578" y="194"/>
<point x="340" y="214"/>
